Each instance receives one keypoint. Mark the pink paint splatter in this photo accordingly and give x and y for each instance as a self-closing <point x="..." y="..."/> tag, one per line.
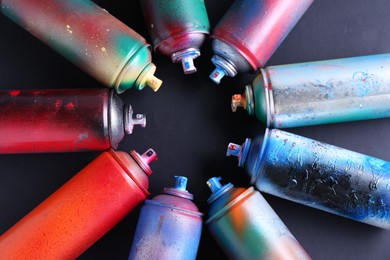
<point x="14" y="93"/>
<point x="58" y="104"/>
<point x="70" y="106"/>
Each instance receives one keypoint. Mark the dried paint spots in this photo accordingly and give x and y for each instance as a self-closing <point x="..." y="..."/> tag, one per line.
<point x="14" y="93"/>
<point x="68" y="29"/>
<point x="58" y="104"/>
<point x="83" y="136"/>
<point x="365" y="82"/>
<point x="70" y="106"/>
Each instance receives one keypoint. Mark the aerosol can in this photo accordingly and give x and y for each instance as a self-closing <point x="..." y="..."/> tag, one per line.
<point x="250" y="32"/>
<point x="64" y="120"/>
<point x="90" y="37"/>
<point x="177" y="28"/>
<point x="246" y="227"/>
<point x="320" y="92"/>
<point x="169" y="226"/>
<point x="318" y="175"/>
<point x="81" y="211"/>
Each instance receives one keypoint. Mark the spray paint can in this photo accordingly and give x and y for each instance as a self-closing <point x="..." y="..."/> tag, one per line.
<point x="177" y="28"/>
<point x="63" y="120"/>
<point x="169" y="226"/>
<point x="318" y="175"/>
<point x="81" y="211"/>
<point x="89" y="37"/>
<point x="250" y="32"/>
<point x="246" y="227"/>
<point x="320" y="92"/>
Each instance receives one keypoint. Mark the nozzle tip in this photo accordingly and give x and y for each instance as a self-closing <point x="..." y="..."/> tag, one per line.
<point x="180" y="183"/>
<point x="131" y="120"/>
<point x="214" y="184"/>
<point x="238" y="100"/>
<point x="217" y="75"/>
<point x="153" y="82"/>
<point x="233" y="149"/>
<point x="188" y="65"/>
<point x="149" y="156"/>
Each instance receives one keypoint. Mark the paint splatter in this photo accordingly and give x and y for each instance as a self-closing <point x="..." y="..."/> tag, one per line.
<point x="14" y="93"/>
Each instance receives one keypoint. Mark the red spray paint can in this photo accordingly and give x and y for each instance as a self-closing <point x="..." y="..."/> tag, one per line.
<point x="250" y="32"/>
<point x="63" y="120"/>
<point x="81" y="211"/>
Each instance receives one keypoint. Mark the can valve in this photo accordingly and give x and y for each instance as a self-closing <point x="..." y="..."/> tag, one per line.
<point x="132" y="119"/>
<point x="238" y="100"/>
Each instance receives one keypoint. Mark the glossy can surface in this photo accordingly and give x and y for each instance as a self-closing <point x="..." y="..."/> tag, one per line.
<point x="246" y="227"/>
<point x="63" y="120"/>
<point x="319" y="175"/>
<point x="177" y="28"/>
<point x="81" y="211"/>
<point x="321" y="92"/>
<point x="250" y="32"/>
<point x="89" y="37"/>
<point x="169" y="226"/>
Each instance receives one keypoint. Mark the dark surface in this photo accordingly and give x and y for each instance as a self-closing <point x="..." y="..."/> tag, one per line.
<point x="189" y="124"/>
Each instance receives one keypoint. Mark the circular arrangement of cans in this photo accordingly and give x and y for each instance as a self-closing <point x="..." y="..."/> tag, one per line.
<point x="286" y="165"/>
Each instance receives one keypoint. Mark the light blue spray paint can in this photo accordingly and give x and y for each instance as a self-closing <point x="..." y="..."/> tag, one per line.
<point x="169" y="225"/>
<point x="319" y="92"/>
<point x="318" y="175"/>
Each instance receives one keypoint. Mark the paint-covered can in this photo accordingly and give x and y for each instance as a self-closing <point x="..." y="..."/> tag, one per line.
<point x="81" y="211"/>
<point x="250" y="32"/>
<point x="90" y="37"/>
<point x="169" y="226"/>
<point x="246" y="227"/>
<point x="177" y="29"/>
<point x="318" y="175"/>
<point x="64" y="120"/>
<point x="320" y="92"/>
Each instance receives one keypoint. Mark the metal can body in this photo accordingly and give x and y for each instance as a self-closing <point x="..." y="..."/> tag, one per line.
<point x="89" y="37"/>
<point x="177" y="28"/>
<point x="322" y="92"/>
<point x="246" y="227"/>
<point x="80" y="212"/>
<point x="320" y="175"/>
<point x="169" y="227"/>
<point x="62" y="120"/>
<point x="250" y="32"/>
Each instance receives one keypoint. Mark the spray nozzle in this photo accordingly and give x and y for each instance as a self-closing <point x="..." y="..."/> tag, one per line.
<point x="145" y="159"/>
<point x="131" y="120"/>
<point x="238" y="100"/>
<point x="186" y="57"/>
<point x="217" y="75"/>
<point x="222" y="68"/>
<point x="240" y="151"/>
<point x="217" y="190"/>
<point x="180" y="183"/>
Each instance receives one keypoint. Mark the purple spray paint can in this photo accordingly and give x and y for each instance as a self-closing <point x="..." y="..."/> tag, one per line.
<point x="250" y="32"/>
<point x="318" y="175"/>
<point x="177" y="28"/>
<point x="246" y="227"/>
<point x="169" y="226"/>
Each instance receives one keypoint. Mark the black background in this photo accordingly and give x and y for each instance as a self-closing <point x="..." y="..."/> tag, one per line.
<point x="189" y="124"/>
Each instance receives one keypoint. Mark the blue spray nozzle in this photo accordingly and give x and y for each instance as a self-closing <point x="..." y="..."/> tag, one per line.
<point x="217" y="75"/>
<point x="214" y="184"/>
<point x="217" y="190"/>
<point x="180" y="183"/>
